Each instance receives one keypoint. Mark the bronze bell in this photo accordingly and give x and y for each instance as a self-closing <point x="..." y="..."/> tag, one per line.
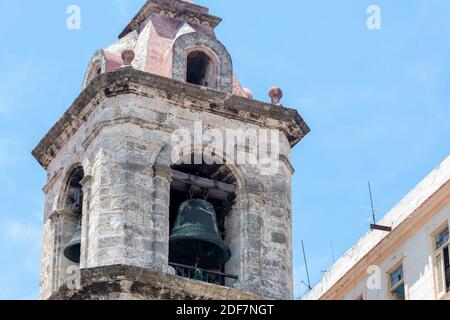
<point x="195" y="238"/>
<point x="72" y="251"/>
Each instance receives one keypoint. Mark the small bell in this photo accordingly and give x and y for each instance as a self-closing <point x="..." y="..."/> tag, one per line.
<point x="72" y="251"/>
<point x="195" y="239"/>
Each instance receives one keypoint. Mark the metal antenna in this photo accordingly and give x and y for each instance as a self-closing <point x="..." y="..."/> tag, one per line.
<point x="306" y="267"/>
<point x="376" y="226"/>
<point x="371" y="204"/>
<point x="332" y="251"/>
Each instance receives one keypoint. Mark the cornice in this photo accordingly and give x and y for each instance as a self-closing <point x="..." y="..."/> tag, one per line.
<point x="177" y="93"/>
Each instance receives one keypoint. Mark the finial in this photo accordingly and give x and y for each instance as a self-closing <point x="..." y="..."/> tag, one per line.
<point x="275" y="94"/>
<point x="127" y="57"/>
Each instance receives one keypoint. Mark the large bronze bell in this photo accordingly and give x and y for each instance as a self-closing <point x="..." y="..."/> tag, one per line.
<point x="195" y="238"/>
<point x="72" y="250"/>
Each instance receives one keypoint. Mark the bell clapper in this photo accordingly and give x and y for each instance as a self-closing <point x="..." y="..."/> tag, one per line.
<point x="205" y="192"/>
<point x="191" y="192"/>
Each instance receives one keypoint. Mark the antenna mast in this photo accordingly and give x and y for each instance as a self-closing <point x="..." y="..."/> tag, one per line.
<point x="332" y="251"/>
<point x="376" y="226"/>
<point x="306" y="266"/>
<point x="371" y="204"/>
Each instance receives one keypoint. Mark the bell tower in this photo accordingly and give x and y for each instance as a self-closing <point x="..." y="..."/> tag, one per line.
<point x="166" y="179"/>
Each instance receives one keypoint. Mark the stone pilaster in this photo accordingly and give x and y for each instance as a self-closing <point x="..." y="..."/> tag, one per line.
<point x="58" y="230"/>
<point x="244" y="228"/>
<point x="160" y="216"/>
<point x="86" y="183"/>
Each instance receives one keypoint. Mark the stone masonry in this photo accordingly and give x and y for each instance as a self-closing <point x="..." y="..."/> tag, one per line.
<point x="119" y="130"/>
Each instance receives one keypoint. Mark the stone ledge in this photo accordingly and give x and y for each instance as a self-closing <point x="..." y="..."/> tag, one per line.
<point x="140" y="284"/>
<point x="177" y="93"/>
<point x="173" y="8"/>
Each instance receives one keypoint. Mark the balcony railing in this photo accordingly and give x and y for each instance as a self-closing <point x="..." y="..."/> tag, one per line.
<point x="207" y="276"/>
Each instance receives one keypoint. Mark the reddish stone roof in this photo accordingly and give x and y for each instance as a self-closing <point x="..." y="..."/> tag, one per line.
<point x="174" y="8"/>
<point x="152" y="34"/>
<point x="131" y="81"/>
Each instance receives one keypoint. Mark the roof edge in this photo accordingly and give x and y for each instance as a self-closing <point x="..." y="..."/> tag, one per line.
<point x="396" y="218"/>
<point x="132" y="81"/>
<point x="174" y="8"/>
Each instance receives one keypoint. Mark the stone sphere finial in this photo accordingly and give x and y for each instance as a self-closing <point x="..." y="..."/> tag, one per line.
<point x="127" y="57"/>
<point x="275" y="94"/>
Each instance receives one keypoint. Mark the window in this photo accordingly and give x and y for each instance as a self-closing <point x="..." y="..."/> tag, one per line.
<point x="442" y="262"/>
<point x="74" y="193"/>
<point x="397" y="284"/>
<point x="93" y="72"/>
<point x="74" y="204"/>
<point x="189" y="182"/>
<point x="200" y="69"/>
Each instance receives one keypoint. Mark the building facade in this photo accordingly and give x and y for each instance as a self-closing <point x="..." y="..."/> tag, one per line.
<point x="409" y="263"/>
<point x="116" y="182"/>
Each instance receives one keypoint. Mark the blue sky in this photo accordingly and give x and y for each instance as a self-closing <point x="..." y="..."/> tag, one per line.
<point x="377" y="103"/>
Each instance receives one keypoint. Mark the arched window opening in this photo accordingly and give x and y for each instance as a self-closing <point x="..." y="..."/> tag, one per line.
<point x="94" y="71"/>
<point x="74" y="204"/>
<point x="201" y="198"/>
<point x="74" y="193"/>
<point x="200" y="69"/>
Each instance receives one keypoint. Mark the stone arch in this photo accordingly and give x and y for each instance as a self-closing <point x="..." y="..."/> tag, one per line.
<point x="166" y="159"/>
<point x="162" y="159"/>
<point x="197" y="41"/>
<point x="65" y="190"/>
<point x="96" y="66"/>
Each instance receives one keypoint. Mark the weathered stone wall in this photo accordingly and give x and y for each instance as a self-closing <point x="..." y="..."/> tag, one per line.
<point x="130" y="283"/>
<point x="123" y="144"/>
<point x="260" y="229"/>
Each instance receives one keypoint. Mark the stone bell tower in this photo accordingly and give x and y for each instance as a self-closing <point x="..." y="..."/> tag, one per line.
<point x="166" y="179"/>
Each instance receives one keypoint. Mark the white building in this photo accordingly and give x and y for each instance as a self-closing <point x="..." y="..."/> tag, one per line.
<point x="411" y="262"/>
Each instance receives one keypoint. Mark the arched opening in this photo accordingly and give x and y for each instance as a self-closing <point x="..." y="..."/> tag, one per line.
<point x="73" y="202"/>
<point x="94" y="71"/>
<point x="202" y="189"/>
<point x="200" y="69"/>
<point x="200" y="44"/>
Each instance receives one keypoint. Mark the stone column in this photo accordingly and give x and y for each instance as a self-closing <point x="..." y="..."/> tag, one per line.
<point x="244" y="230"/>
<point x="117" y="232"/>
<point x="129" y="219"/>
<point x="160" y="217"/>
<point x="48" y="259"/>
<point x="59" y="231"/>
<point x="86" y="183"/>
<point x="259" y="232"/>
<point x="277" y="236"/>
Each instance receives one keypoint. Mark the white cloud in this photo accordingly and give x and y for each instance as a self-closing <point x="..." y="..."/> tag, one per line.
<point x="12" y="83"/>
<point x="3" y="106"/>
<point x="20" y="232"/>
<point x="8" y="150"/>
<point x="27" y="70"/>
